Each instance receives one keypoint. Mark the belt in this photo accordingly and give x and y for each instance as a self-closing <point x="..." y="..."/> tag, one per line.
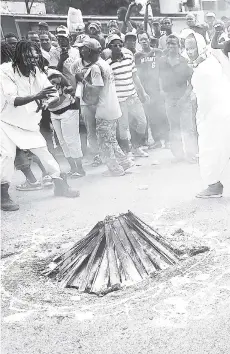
<point x="64" y="109"/>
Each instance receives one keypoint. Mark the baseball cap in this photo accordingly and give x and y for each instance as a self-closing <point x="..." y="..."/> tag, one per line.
<point x="94" y="25"/>
<point x="43" y="24"/>
<point x="210" y="14"/>
<point x="62" y="31"/>
<point x="112" y="38"/>
<point x="90" y="43"/>
<point x="130" y="34"/>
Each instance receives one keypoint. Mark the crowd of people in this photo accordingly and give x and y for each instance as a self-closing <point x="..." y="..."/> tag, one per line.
<point x="121" y="86"/>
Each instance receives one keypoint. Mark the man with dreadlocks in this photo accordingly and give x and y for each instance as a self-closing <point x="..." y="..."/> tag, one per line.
<point x="24" y="89"/>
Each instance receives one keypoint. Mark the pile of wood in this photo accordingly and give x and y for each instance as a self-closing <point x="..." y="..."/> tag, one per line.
<point x="117" y="252"/>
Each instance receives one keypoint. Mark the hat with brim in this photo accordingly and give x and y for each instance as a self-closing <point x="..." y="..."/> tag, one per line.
<point x="131" y="34"/>
<point x="43" y="24"/>
<point x="113" y="37"/>
<point x="94" y="25"/>
<point x="62" y="31"/>
<point x="90" y="43"/>
<point x="210" y="14"/>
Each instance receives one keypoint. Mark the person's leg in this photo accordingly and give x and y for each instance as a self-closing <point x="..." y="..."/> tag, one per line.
<point x="188" y="131"/>
<point x="88" y="113"/>
<point x="71" y="135"/>
<point x="123" y="128"/>
<point x="61" y="187"/>
<point x="214" y="153"/>
<point x="22" y="163"/>
<point x="138" y="121"/>
<point x="7" y="157"/>
<point x="106" y="134"/>
<point x="83" y="133"/>
<point x="57" y="124"/>
<point x="173" y="115"/>
<point x="157" y="120"/>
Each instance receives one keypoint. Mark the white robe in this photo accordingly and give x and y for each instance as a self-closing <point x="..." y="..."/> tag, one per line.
<point x="211" y="85"/>
<point x="21" y="124"/>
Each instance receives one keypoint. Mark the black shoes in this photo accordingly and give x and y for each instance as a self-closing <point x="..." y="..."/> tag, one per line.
<point x="7" y="204"/>
<point x="62" y="189"/>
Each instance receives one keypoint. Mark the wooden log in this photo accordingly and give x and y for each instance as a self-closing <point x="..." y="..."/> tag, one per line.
<point x="114" y="277"/>
<point x="101" y="281"/>
<point x="137" y="246"/>
<point x="149" y="229"/>
<point x="79" y="245"/>
<point x="131" y="273"/>
<point x="87" y="271"/>
<point x="169" y="256"/>
<point x="123" y="235"/>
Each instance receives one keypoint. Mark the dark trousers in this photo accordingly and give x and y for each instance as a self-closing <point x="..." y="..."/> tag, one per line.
<point x="183" y="137"/>
<point x="157" y="119"/>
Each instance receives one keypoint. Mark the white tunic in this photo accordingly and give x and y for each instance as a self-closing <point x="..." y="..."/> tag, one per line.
<point x="21" y="124"/>
<point x="212" y="88"/>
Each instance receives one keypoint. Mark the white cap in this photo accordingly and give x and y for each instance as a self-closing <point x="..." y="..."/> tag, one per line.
<point x="210" y="14"/>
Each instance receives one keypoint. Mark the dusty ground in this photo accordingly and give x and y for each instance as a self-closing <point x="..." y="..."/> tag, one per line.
<point x="185" y="309"/>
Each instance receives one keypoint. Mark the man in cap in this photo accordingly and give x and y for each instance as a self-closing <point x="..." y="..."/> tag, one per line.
<point x="128" y="88"/>
<point x="95" y="32"/>
<point x="100" y="106"/>
<point x="131" y="41"/>
<point x="210" y="21"/>
<point x="64" y="56"/>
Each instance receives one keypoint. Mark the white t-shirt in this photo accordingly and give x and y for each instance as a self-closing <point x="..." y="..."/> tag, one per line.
<point x="73" y="56"/>
<point x="101" y="76"/>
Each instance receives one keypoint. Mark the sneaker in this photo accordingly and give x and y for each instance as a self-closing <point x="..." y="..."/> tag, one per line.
<point x="47" y="181"/>
<point x="138" y="152"/>
<point x="130" y="156"/>
<point x="28" y="186"/>
<point x="97" y="161"/>
<point x="213" y="191"/>
<point x="126" y="164"/>
<point x="77" y="174"/>
<point x="144" y="147"/>
<point x="155" y="145"/>
<point x="115" y="173"/>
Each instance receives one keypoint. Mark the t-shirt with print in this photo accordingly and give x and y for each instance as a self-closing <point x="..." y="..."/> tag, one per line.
<point x="148" y="69"/>
<point x="101" y="76"/>
<point x="123" y="70"/>
<point x="73" y="56"/>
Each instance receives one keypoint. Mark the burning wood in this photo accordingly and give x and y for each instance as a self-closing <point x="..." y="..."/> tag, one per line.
<point x="117" y="252"/>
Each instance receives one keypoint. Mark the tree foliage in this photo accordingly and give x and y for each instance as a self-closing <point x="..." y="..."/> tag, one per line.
<point x="88" y="7"/>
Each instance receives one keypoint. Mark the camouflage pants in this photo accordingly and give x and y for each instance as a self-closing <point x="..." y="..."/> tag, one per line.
<point x="108" y="145"/>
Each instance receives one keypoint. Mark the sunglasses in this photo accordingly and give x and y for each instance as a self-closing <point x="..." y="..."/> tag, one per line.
<point x="117" y="45"/>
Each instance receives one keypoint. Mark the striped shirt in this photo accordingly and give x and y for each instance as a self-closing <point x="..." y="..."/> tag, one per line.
<point x="123" y="74"/>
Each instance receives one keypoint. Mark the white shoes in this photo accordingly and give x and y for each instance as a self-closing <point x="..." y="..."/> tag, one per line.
<point x="138" y="152"/>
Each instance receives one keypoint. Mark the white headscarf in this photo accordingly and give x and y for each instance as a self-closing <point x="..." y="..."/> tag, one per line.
<point x="202" y="47"/>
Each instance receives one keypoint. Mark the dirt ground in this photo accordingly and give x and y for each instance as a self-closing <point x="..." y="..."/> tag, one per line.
<point x="185" y="309"/>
